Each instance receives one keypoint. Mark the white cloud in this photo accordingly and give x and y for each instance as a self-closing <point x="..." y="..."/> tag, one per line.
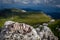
<point x="36" y="1"/>
<point x="51" y="0"/>
<point x="46" y="1"/>
<point x="5" y="1"/>
<point x="57" y="5"/>
<point x="17" y="0"/>
<point x="22" y="1"/>
<point x="25" y="1"/>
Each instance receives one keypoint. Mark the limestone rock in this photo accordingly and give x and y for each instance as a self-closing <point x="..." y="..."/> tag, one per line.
<point x="45" y="33"/>
<point x="18" y="31"/>
<point x="21" y="31"/>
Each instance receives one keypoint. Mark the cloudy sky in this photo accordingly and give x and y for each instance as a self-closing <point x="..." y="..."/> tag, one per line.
<point x="35" y="2"/>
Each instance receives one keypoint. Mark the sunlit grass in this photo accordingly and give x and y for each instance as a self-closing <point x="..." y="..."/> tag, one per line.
<point x="29" y="19"/>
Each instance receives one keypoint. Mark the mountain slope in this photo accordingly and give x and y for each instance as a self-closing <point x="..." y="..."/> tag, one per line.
<point x="24" y="17"/>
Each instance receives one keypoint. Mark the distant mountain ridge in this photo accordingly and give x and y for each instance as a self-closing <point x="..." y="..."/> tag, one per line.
<point x="50" y="10"/>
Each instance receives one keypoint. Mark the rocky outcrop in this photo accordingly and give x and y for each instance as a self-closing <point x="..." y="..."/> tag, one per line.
<point x="18" y="31"/>
<point x="21" y="31"/>
<point x="45" y="33"/>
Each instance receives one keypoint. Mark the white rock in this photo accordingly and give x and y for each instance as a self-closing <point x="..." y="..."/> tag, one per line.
<point x="45" y="33"/>
<point x="20" y="32"/>
<point x="8" y="23"/>
<point x="45" y="24"/>
<point x="52" y="20"/>
<point x="41" y="34"/>
<point x="23" y="11"/>
<point x="59" y="29"/>
<point x="38" y="29"/>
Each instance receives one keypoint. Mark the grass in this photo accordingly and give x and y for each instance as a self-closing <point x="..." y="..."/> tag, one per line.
<point x="27" y="17"/>
<point x="53" y="27"/>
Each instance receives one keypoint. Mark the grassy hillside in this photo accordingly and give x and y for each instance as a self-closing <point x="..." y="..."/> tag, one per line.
<point x="54" y="27"/>
<point x="25" y="17"/>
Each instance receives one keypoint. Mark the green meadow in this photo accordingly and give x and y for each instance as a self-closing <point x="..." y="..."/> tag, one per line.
<point x="29" y="17"/>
